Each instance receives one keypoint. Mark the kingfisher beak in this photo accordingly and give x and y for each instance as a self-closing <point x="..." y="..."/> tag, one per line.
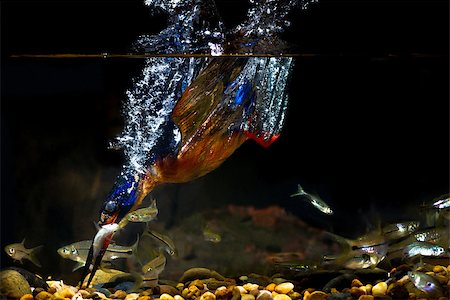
<point x="93" y="263"/>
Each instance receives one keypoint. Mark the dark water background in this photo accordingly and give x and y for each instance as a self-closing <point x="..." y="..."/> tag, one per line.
<point x="367" y="126"/>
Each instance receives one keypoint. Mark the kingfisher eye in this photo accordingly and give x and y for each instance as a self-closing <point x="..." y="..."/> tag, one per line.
<point x="111" y="206"/>
<point x="74" y="251"/>
<point x="11" y="250"/>
<point x="66" y="251"/>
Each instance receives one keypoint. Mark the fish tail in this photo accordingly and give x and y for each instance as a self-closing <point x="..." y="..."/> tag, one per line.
<point x="32" y="256"/>
<point x="345" y="243"/>
<point x="300" y="192"/>
<point x="77" y="266"/>
<point x="134" y="247"/>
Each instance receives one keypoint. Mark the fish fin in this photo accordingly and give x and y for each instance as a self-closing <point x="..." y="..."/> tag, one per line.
<point x="300" y="192"/>
<point x="345" y="243"/>
<point x="77" y="266"/>
<point x="33" y="258"/>
<point x="38" y="248"/>
<point x="134" y="247"/>
<point x="153" y="203"/>
<point x="97" y="227"/>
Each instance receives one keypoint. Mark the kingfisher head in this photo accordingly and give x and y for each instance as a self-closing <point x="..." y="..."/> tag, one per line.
<point x="120" y="200"/>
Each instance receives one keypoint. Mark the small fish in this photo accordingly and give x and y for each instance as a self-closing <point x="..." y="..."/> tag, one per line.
<point x="353" y="261"/>
<point x="399" y="230"/>
<point x="155" y="266"/>
<point x="435" y="235"/>
<point x="211" y="236"/>
<point x="363" y="252"/>
<point x="104" y="233"/>
<point x="426" y="283"/>
<point x="79" y="251"/>
<point x="170" y="246"/>
<point x="18" y="252"/>
<point x="424" y="249"/>
<point x="314" y="200"/>
<point x="146" y="214"/>
<point x="298" y="268"/>
<point x="442" y="202"/>
<point x="362" y="261"/>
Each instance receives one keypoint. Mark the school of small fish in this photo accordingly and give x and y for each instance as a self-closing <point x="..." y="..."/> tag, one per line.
<point x="408" y="241"/>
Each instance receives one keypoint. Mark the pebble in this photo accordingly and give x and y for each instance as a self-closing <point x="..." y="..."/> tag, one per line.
<point x="236" y="294"/>
<point x="132" y="296"/>
<point x="199" y="273"/>
<point x="168" y="289"/>
<point x="439" y="269"/>
<point x="13" y="284"/>
<point x="27" y="297"/>
<point x="271" y="287"/>
<point x="397" y="291"/>
<point x="357" y="292"/>
<point x="165" y="296"/>
<point x="33" y="280"/>
<point x="379" y="289"/>
<point x="43" y="296"/>
<point x="284" y="288"/>
<point x="356" y="283"/>
<point x="119" y="294"/>
<point x="278" y="280"/>
<point x="241" y="289"/>
<point x="178" y="297"/>
<point x="247" y="297"/>
<point x="250" y="287"/>
<point x="318" y="295"/>
<point x="208" y="296"/>
<point x="212" y="283"/>
<point x="223" y="292"/>
<point x="264" y="295"/>
<point x="144" y="298"/>
<point x="281" y="297"/>
<point x="367" y="297"/>
<point x="65" y="292"/>
<point x="306" y="295"/>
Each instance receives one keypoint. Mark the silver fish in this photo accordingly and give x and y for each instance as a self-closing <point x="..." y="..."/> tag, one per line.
<point x="146" y="214"/>
<point x="155" y="266"/>
<point x="442" y="202"/>
<point x="399" y="230"/>
<point x="424" y="249"/>
<point x="210" y="236"/>
<point x="167" y="241"/>
<point x="362" y="261"/>
<point x="426" y="283"/>
<point x="18" y="252"/>
<point x="316" y="201"/>
<point x="79" y="251"/>
<point x="432" y="235"/>
<point x="105" y="232"/>
<point x="363" y="252"/>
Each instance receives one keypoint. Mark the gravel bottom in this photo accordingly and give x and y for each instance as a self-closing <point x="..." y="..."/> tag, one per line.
<point x="211" y="286"/>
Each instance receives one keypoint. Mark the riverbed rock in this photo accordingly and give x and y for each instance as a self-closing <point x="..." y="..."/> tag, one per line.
<point x="13" y="284"/>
